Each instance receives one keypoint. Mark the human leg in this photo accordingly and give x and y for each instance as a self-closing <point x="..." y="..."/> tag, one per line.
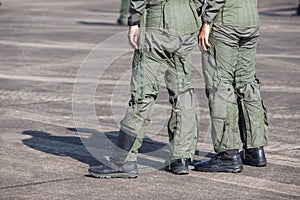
<point x="144" y="89"/>
<point x="218" y="69"/>
<point x="182" y="126"/>
<point x="252" y="112"/>
<point x="218" y="65"/>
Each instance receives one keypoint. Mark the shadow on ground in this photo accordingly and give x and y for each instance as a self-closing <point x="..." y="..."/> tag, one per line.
<point x="99" y="23"/>
<point x="77" y="147"/>
<point x="70" y="146"/>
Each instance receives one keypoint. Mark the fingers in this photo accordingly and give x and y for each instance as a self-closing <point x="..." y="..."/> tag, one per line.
<point x="203" y="37"/>
<point x="133" y="35"/>
<point x="204" y="44"/>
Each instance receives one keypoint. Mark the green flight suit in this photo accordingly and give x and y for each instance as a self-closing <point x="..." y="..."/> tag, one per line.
<point x="229" y="71"/>
<point x="165" y="43"/>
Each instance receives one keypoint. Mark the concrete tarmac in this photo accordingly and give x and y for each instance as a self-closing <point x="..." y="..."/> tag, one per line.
<point x="64" y="87"/>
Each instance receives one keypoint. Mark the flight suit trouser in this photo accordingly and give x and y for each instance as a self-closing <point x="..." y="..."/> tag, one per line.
<point x="148" y="71"/>
<point x="233" y="90"/>
<point x="165" y="47"/>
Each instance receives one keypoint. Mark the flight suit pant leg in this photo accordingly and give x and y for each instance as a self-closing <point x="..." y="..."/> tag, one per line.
<point x="218" y="70"/>
<point x="147" y="74"/>
<point x="253" y="115"/>
<point x="233" y="92"/>
<point x="183" y="124"/>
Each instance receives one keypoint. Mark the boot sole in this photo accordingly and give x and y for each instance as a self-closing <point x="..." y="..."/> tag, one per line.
<point x="228" y="169"/>
<point x="114" y="175"/>
<point x="184" y="172"/>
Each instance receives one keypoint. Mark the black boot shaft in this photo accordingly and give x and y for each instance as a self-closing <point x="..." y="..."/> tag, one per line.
<point x="254" y="157"/>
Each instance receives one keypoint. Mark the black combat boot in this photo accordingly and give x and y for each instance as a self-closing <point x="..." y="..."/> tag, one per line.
<point x="122" y="168"/>
<point x="127" y="170"/>
<point x="254" y="157"/>
<point x="222" y="162"/>
<point x="179" y="166"/>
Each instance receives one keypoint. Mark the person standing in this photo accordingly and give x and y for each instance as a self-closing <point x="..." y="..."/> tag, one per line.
<point x="228" y="37"/>
<point x="124" y="12"/>
<point x="163" y="34"/>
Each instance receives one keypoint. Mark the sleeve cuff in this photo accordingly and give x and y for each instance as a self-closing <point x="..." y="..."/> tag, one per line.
<point x="132" y="23"/>
<point x="205" y="19"/>
<point x="134" y="19"/>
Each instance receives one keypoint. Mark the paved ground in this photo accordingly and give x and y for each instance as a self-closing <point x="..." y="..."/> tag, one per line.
<point x="42" y="48"/>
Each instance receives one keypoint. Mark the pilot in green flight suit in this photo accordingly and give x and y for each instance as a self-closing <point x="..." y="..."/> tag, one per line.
<point x="163" y="34"/>
<point x="229" y="36"/>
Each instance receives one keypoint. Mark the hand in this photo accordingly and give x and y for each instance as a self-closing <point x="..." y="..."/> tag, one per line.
<point x="203" y="37"/>
<point x="133" y="35"/>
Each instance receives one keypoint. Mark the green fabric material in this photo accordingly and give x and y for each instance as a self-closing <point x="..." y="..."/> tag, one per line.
<point x="254" y="123"/>
<point x="165" y="45"/>
<point x="233" y="89"/>
<point x="177" y="17"/>
<point x="240" y="13"/>
<point x="177" y="12"/>
<point x="212" y="9"/>
<point x="150" y="67"/>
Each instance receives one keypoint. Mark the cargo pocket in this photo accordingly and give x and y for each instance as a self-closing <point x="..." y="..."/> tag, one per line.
<point x="256" y="123"/>
<point x="224" y="115"/>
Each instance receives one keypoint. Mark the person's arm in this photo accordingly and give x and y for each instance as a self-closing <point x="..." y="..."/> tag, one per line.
<point x="203" y="36"/>
<point x="137" y="9"/>
<point x="212" y="8"/>
<point x="133" y="36"/>
<point x="210" y="12"/>
<point x="199" y="5"/>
